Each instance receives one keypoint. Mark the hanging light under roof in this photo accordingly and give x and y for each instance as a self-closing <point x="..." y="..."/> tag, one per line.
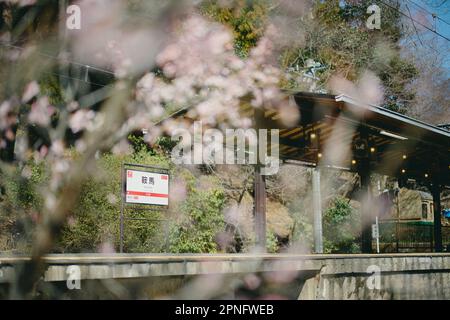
<point x="392" y="135"/>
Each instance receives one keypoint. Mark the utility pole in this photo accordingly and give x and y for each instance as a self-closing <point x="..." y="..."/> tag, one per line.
<point x="436" y="192"/>
<point x="317" y="208"/>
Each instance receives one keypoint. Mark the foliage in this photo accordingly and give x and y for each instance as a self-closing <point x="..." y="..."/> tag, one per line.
<point x="340" y="41"/>
<point x="193" y="229"/>
<point x="20" y="202"/>
<point x="162" y="145"/>
<point x="51" y="87"/>
<point x="337" y="38"/>
<point x="94" y="222"/>
<point x="341" y="228"/>
<point x="302" y="232"/>
<point x="246" y="19"/>
<point x="397" y="76"/>
<point x="271" y="242"/>
<point x="202" y="220"/>
<point x="137" y="142"/>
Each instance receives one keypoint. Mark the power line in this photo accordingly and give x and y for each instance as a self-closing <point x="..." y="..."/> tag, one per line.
<point x="412" y="19"/>
<point x="60" y="59"/>
<point x="434" y="15"/>
<point x="71" y="62"/>
<point x="417" y="33"/>
<point x="78" y="79"/>
<point x="418" y="36"/>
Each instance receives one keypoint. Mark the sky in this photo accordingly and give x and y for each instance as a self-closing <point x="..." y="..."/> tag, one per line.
<point x="421" y="11"/>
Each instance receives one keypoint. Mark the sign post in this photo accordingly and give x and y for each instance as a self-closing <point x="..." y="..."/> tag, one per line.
<point x="143" y="185"/>
<point x="376" y="233"/>
<point x="122" y="193"/>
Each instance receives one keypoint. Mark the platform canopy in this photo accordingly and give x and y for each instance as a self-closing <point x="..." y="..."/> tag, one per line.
<point x="338" y="131"/>
<point x="389" y="142"/>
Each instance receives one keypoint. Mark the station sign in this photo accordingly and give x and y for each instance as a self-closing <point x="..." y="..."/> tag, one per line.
<point x="144" y="187"/>
<point x="375" y="231"/>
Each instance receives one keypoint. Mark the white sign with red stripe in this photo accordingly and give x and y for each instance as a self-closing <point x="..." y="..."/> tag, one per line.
<point x="147" y="187"/>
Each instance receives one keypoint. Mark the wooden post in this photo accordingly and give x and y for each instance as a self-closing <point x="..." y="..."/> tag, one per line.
<point x="366" y="217"/>
<point x="260" y="209"/>
<point x="436" y="192"/>
<point x="363" y="166"/>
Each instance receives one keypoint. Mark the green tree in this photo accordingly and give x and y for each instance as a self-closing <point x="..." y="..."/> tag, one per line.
<point x="339" y="40"/>
<point x="247" y="20"/>
<point x="336" y="37"/>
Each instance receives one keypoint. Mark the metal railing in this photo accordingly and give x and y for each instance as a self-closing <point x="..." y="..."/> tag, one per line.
<point x="410" y="237"/>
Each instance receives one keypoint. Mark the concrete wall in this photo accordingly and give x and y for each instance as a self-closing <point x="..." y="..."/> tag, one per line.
<point x="395" y="277"/>
<point x="382" y="276"/>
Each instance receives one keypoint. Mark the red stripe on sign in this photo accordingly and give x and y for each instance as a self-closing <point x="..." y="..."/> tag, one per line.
<point x="147" y="194"/>
<point x="164" y="177"/>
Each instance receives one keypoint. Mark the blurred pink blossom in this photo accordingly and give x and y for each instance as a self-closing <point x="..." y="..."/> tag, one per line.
<point x="41" y="111"/>
<point x="31" y="90"/>
<point x="80" y="120"/>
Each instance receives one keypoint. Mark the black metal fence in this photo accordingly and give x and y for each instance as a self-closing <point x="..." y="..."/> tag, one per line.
<point x="409" y="237"/>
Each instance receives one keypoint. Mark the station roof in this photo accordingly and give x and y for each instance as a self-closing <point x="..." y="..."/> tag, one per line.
<point x="398" y="145"/>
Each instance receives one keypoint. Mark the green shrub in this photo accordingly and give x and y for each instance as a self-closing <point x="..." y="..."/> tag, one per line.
<point x="271" y="242"/>
<point x="341" y="228"/>
<point x="202" y="220"/>
<point x="20" y="203"/>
